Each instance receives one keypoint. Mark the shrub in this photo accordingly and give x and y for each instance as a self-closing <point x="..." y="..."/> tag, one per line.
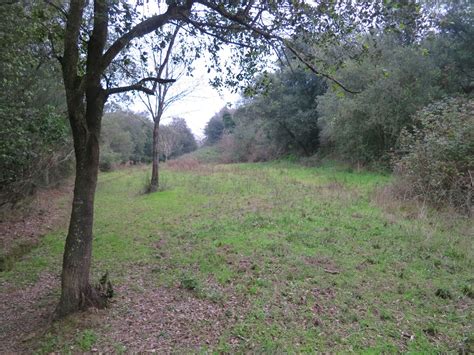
<point x="108" y="160"/>
<point x="394" y="82"/>
<point x="436" y="160"/>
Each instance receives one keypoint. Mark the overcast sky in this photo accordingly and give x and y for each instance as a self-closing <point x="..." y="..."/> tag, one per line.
<point x="204" y="101"/>
<point x="200" y="105"/>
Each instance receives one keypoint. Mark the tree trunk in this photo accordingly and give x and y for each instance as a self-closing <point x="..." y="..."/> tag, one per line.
<point x="154" y="183"/>
<point x="76" y="291"/>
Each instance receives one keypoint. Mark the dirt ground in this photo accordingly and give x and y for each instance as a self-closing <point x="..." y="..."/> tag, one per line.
<point x="23" y="229"/>
<point x="136" y="320"/>
<point x="27" y="311"/>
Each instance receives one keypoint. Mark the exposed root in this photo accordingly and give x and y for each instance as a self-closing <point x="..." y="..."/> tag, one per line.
<point x="91" y="297"/>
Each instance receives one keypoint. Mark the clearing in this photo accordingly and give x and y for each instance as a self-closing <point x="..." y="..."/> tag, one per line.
<point x="269" y="257"/>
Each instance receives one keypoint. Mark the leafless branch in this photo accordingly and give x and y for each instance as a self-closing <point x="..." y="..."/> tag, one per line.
<point x="138" y="86"/>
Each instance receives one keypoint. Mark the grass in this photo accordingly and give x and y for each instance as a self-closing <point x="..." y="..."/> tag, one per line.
<point x="316" y="263"/>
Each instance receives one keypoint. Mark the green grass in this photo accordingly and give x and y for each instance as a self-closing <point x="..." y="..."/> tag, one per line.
<point x="318" y="264"/>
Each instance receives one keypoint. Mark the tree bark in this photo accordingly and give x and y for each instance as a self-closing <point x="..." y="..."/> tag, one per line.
<point x="154" y="183"/>
<point x="85" y="102"/>
<point x="76" y="290"/>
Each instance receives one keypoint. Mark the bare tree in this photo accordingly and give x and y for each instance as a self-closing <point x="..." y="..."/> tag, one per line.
<point x="163" y="97"/>
<point x="167" y="142"/>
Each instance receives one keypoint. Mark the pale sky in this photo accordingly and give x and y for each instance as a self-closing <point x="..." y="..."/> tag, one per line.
<point x="199" y="106"/>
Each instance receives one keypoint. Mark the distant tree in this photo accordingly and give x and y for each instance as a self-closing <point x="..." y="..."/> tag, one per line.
<point x="163" y="63"/>
<point x="125" y="137"/>
<point x="281" y="117"/>
<point x="214" y="129"/>
<point x="228" y="121"/>
<point x="167" y="142"/>
<point x="184" y="138"/>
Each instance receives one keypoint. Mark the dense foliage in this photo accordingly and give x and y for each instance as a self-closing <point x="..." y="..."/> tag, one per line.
<point x="392" y="82"/>
<point x="281" y="118"/>
<point x="34" y="140"/>
<point x="377" y="85"/>
<point x="181" y="137"/>
<point x="126" y="137"/>
<point x="220" y="124"/>
<point x="436" y="158"/>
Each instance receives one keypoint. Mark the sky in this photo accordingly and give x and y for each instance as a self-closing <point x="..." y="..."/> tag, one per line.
<point x="200" y="105"/>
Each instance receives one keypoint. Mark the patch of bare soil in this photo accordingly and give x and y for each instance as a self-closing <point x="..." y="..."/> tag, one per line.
<point x="325" y="263"/>
<point x="26" y="313"/>
<point x="22" y="230"/>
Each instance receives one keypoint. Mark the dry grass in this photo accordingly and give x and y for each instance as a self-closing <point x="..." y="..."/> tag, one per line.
<point x="189" y="164"/>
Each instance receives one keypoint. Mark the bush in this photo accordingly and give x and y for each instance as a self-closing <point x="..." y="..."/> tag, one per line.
<point x="436" y="160"/>
<point x="394" y="82"/>
<point x="108" y="160"/>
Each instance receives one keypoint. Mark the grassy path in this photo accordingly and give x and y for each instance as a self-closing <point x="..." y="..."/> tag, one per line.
<point x="259" y="257"/>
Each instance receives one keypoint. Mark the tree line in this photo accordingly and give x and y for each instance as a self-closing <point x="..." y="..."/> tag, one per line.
<point x="408" y="82"/>
<point x="127" y="138"/>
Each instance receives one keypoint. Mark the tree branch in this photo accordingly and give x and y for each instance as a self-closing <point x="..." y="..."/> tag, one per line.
<point x="71" y="36"/>
<point x="134" y="87"/>
<point x="98" y="38"/>
<point x="139" y="86"/>
<point x="314" y="70"/>
<point x="157" y="80"/>
<point x="57" y="7"/>
<point x="269" y="36"/>
<point x="149" y="25"/>
<point x="168" y="52"/>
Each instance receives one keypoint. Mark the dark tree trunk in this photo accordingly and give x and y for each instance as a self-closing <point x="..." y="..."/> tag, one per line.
<point x="76" y="290"/>
<point x="85" y="102"/>
<point x="154" y="183"/>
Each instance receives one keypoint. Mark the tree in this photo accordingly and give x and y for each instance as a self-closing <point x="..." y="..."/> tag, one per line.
<point x="163" y="97"/>
<point x="167" y="142"/>
<point x="184" y="141"/>
<point x="84" y="67"/>
<point x="280" y="118"/>
<point x="394" y="81"/>
<point x="125" y="136"/>
<point x="34" y="139"/>
<point x="288" y="109"/>
<point x="97" y="38"/>
<point x="229" y="123"/>
<point x="214" y="129"/>
<point x="452" y="47"/>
